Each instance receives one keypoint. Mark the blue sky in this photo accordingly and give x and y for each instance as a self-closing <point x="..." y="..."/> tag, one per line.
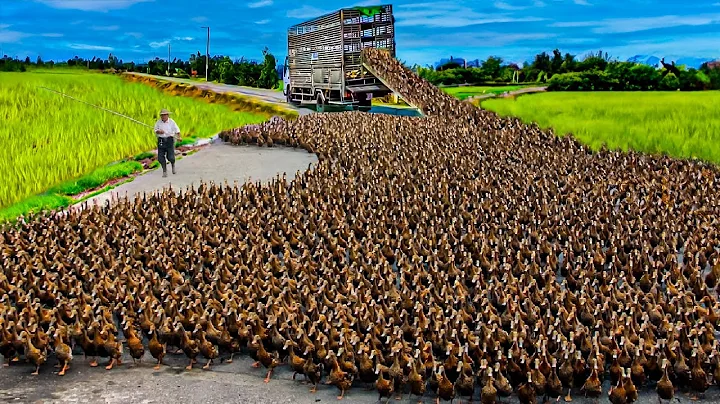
<point x="425" y="30"/>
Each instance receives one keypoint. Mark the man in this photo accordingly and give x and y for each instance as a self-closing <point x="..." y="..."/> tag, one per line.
<point x="167" y="132"/>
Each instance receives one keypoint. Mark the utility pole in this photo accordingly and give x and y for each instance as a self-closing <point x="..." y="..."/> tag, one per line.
<point x="207" y="52"/>
<point x="168" y="58"/>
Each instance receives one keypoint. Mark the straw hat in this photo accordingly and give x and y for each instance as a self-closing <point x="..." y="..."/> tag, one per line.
<point x="164" y="112"/>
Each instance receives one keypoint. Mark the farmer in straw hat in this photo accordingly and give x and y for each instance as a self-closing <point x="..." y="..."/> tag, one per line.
<point x="167" y="132"/>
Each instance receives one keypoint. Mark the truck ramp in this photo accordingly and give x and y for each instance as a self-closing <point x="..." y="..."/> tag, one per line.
<point x="385" y="82"/>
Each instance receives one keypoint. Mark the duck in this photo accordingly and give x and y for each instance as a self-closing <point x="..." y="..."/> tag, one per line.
<point x="385" y="387"/>
<point x="313" y="372"/>
<point x="698" y="376"/>
<point x="665" y="388"/>
<point x="488" y="393"/>
<point x="33" y="354"/>
<point x="63" y="353"/>
<point x="445" y="388"/>
<point x="340" y="379"/>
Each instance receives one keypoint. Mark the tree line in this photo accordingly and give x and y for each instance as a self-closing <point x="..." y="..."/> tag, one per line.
<point x="560" y="72"/>
<point x="221" y="68"/>
<point x="566" y="72"/>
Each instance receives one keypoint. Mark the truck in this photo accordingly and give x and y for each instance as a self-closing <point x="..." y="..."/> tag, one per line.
<point x="324" y="64"/>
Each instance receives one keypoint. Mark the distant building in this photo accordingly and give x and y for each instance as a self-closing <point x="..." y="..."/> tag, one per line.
<point x="715" y="64"/>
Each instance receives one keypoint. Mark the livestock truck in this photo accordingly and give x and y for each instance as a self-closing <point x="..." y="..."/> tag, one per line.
<point x="323" y="64"/>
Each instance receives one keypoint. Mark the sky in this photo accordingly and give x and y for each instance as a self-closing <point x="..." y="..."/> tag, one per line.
<point x="426" y="31"/>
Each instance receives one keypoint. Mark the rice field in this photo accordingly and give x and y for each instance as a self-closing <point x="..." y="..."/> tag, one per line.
<point x="471" y="91"/>
<point x="679" y="124"/>
<point x="48" y="139"/>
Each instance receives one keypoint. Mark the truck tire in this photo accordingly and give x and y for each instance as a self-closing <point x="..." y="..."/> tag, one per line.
<point x="320" y="101"/>
<point x="364" y="102"/>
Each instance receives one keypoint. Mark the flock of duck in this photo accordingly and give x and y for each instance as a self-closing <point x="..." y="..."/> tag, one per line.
<point x="453" y="255"/>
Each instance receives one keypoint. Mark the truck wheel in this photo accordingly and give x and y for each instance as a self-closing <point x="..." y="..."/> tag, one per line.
<point x="364" y="102"/>
<point x="320" y="101"/>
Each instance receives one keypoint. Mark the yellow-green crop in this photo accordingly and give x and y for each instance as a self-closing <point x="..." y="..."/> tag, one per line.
<point x="47" y="139"/>
<point x="679" y="124"/>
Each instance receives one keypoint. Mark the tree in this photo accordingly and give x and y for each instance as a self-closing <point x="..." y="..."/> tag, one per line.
<point x="569" y="63"/>
<point x="491" y="67"/>
<point x="268" y="76"/>
<point x="39" y="61"/>
<point x="556" y="63"/>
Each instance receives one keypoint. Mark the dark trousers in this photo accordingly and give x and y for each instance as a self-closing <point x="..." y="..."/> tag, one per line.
<point x="166" y="151"/>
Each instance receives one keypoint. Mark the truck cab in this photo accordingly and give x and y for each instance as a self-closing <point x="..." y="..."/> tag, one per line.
<point x="286" y="80"/>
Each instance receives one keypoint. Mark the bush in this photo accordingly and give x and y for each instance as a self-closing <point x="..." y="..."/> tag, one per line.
<point x="670" y="82"/>
<point x="593" y="80"/>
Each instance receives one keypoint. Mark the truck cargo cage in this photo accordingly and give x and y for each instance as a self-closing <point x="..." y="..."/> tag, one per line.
<point x="324" y="63"/>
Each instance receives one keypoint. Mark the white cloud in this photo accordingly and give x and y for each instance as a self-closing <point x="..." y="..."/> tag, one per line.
<point x="305" y="12"/>
<point x="625" y="25"/>
<point x="366" y="3"/>
<point x="697" y="45"/>
<point x="582" y="2"/>
<point x="8" y="36"/>
<point x="52" y="35"/>
<point x="4" y="26"/>
<point x="82" y="46"/>
<point x="183" y="38"/>
<point x="92" y="5"/>
<point x="260" y="3"/>
<point x="507" y="6"/>
<point x="135" y="35"/>
<point x="104" y="27"/>
<point x="539" y="3"/>
<point x="262" y="22"/>
<point x="485" y="39"/>
<point x="576" y="24"/>
<point x="450" y="15"/>
<point x="159" y="44"/>
<point x="199" y="19"/>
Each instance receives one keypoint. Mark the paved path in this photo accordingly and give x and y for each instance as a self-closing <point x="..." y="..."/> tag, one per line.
<point x="232" y="383"/>
<point x="217" y="162"/>
<point x="269" y="96"/>
<point x="526" y="90"/>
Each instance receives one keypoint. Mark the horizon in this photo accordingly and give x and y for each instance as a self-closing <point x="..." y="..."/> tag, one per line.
<point x="515" y="30"/>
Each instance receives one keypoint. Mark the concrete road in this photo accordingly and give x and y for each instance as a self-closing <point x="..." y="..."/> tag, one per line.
<point x="235" y="382"/>
<point x="269" y="96"/>
<point x="217" y="162"/>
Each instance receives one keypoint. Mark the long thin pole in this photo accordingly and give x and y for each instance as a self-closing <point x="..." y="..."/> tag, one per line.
<point x="169" y="59"/>
<point x="207" y="52"/>
<point x="98" y="107"/>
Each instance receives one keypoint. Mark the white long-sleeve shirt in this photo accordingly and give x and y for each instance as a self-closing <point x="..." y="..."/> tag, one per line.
<point x="170" y="128"/>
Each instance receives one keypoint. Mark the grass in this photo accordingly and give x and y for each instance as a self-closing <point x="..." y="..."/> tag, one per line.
<point x="34" y="204"/>
<point x="49" y="139"/>
<point x="61" y="196"/>
<point x="471" y="91"/>
<point x="97" y="178"/>
<point x="144" y="155"/>
<point x="679" y="124"/>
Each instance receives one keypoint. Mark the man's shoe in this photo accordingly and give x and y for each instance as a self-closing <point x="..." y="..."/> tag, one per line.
<point x="164" y="173"/>
<point x="173" y="170"/>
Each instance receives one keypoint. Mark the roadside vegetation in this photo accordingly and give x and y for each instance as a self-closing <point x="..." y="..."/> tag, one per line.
<point x="49" y="139"/>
